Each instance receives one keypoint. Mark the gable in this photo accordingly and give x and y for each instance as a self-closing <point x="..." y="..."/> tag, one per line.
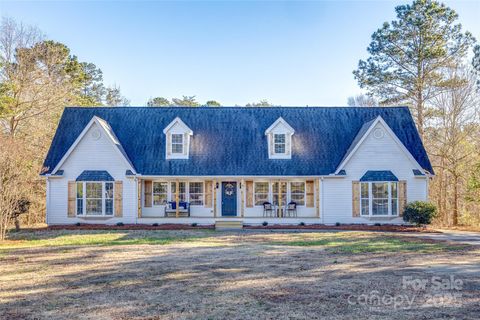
<point x="232" y="141"/>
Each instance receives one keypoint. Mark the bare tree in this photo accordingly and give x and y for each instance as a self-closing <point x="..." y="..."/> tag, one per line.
<point x="362" y="100"/>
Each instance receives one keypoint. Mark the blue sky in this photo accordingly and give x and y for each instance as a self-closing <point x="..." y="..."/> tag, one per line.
<point x="291" y="53"/>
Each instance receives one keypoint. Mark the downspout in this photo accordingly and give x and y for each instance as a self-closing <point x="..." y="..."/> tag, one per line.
<point x="48" y="201"/>
<point x="135" y="180"/>
<point x="322" y="201"/>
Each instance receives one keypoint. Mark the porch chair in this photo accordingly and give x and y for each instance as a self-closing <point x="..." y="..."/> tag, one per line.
<point x="183" y="209"/>
<point x="291" y="209"/>
<point x="268" y="210"/>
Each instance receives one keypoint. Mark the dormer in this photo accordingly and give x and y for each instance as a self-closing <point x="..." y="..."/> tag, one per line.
<point x="279" y="137"/>
<point x="177" y="140"/>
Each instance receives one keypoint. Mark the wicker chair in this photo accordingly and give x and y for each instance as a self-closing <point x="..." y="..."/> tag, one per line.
<point x="291" y="209"/>
<point x="268" y="210"/>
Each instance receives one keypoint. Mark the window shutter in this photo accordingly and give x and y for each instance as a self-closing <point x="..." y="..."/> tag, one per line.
<point x="272" y="147"/>
<point x="148" y="193"/>
<point x="168" y="146"/>
<point x="118" y="198"/>
<point x="208" y="193"/>
<point x="355" y="199"/>
<point x="249" y="187"/>
<point x="402" y="193"/>
<point x="310" y="190"/>
<point x="139" y="200"/>
<point x="288" y="142"/>
<point x="72" y="197"/>
<point x="185" y="144"/>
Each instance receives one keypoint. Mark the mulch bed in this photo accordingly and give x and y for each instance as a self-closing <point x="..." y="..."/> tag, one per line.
<point x="172" y="226"/>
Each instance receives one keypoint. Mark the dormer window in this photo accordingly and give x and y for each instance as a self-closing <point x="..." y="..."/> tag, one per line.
<point x="177" y="140"/>
<point x="279" y="136"/>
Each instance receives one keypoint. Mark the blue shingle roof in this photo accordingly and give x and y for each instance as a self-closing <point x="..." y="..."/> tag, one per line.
<point x="232" y="141"/>
<point x="95" y="175"/>
<point x="379" y="176"/>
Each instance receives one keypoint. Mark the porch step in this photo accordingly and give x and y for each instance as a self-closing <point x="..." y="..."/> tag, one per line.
<point x="228" y="225"/>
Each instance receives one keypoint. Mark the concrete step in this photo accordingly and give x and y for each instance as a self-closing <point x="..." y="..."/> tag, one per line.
<point x="229" y="225"/>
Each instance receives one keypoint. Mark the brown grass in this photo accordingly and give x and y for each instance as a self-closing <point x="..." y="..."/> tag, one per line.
<point x="221" y="275"/>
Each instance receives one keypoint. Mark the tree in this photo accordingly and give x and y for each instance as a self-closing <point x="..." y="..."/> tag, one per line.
<point x="158" y="102"/>
<point x="261" y="103"/>
<point x="92" y="91"/>
<point x="186" y="101"/>
<point x="362" y="100"/>
<point x="213" y="103"/>
<point x="114" y="98"/>
<point x="407" y="56"/>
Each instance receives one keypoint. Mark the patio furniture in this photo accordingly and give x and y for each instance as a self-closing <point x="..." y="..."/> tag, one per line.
<point x="171" y="209"/>
<point x="268" y="210"/>
<point x="291" y="209"/>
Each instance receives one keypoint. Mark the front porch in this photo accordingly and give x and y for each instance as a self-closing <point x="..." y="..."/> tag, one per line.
<point x="205" y="200"/>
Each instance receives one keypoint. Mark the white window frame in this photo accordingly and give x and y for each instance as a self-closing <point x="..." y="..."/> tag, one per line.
<point x="188" y="193"/>
<point x="269" y="192"/>
<point x="177" y="144"/>
<point x="104" y="198"/>
<point x="370" y="200"/>
<point x="284" y="144"/>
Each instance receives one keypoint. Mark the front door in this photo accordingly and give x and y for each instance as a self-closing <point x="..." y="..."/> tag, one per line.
<point x="229" y="199"/>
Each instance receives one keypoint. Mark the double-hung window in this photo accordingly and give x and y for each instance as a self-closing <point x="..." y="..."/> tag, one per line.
<point x="177" y="143"/>
<point x="297" y="193"/>
<point x="160" y="193"/>
<point x="196" y="193"/>
<point x="379" y="198"/>
<point x="279" y="143"/>
<point x="182" y="195"/>
<point x="261" y="193"/>
<point x="94" y="198"/>
<point x="279" y="190"/>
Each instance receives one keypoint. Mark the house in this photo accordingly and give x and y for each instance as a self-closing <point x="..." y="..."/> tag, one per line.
<point x="149" y="165"/>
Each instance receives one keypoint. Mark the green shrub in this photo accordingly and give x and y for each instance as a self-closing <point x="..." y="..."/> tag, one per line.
<point x="155" y="224"/>
<point x="337" y="224"/>
<point x="194" y="224"/>
<point x="419" y="212"/>
<point x="301" y="224"/>
<point x="120" y="224"/>
<point x="265" y="223"/>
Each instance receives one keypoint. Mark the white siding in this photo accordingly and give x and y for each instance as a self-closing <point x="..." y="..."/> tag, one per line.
<point x="373" y="154"/>
<point x="91" y="154"/>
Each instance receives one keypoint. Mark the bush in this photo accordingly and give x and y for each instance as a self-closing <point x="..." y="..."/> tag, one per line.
<point x="419" y="212"/>
<point x="120" y="224"/>
<point x="78" y="224"/>
<point x="155" y="224"/>
<point x="301" y="224"/>
<point x="377" y="224"/>
<point x="337" y="224"/>
<point x="194" y="224"/>
<point x="265" y="223"/>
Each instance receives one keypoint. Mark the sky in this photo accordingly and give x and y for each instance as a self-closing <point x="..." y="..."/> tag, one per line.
<point x="290" y="53"/>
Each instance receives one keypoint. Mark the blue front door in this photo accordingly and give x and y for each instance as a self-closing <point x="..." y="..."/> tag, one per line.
<point x="229" y="198"/>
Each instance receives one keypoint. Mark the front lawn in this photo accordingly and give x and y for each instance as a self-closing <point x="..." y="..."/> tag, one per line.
<point x="203" y="274"/>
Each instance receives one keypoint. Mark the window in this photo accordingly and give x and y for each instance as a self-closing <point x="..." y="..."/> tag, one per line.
<point x="279" y="190"/>
<point x="79" y="198"/>
<point x="196" y="193"/>
<point x="379" y="198"/>
<point x="108" y="198"/>
<point x="297" y="192"/>
<point x="160" y="192"/>
<point x="182" y="195"/>
<point x="95" y="198"/>
<point x="177" y="143"/>
<point x="279" y="144"/>
<point x="261" y="193"/>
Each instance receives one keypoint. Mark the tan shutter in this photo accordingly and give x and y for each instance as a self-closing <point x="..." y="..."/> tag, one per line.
<point x="288" y="141"/>
<point x="148" y="193"/>
<point x="118" y="198"/>
<point x="208" y="193"/>
<point x="249" y="187"/>
<point x="317" y="205"/>
<point x="72" y="197"/>
<point x="310" y="190"/>
<point x="402" y="194"/>
<point x="168" y="146"/>
<point x="185" y="144"/>
<point x="272" y="148"/>
<point x="139" y="200"/>
<point x="355" y="199"/>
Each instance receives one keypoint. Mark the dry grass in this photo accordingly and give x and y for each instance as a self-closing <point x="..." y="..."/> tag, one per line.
<point x="212" y="275"/>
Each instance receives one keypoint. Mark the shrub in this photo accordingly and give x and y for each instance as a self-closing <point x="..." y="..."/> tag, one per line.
<point x="301" y="224"/>
<point x="265" y="223"/>
<point x="78" y="224"/>
<point x="337" y="224"/>
<point x="419" y="212"/>
<point x="155" y="224"/>
<point x="120" y="224"/>
<point x="377" y="224"/>
<point x="194" y="224"/>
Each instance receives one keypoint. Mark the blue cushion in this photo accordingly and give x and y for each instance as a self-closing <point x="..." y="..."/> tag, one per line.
<point x="181" y="204"/>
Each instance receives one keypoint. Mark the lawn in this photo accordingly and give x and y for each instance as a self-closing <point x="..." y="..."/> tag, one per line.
<point x="231" y="275"/>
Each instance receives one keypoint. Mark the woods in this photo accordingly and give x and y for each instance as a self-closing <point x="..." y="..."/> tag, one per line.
<point x="423" y="59"/>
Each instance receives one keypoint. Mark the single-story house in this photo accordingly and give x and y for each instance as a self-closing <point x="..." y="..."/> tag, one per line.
<point x="283" y="165"/>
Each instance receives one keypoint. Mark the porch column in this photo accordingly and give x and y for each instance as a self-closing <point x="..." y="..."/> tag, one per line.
<point x="280" y="215"/>
<point x="242" y="196"/>
<point x="139" y="197"/>
<point x="177" y="198"/>
<point x="214" y="198"/>
<point x="317" y="198"/>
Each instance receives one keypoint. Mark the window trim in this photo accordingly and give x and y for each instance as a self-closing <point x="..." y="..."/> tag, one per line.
<point x="84" y="200"/>
<point x="370" y="200"/>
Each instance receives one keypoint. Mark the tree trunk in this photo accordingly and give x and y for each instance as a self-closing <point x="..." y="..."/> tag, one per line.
<point x="455" y="201"/>
<point x="17" y="223"/>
